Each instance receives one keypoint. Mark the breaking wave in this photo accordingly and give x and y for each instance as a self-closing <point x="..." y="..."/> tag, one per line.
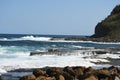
<point x="31" y="38"/>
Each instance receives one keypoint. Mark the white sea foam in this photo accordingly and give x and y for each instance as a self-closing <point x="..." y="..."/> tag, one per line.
<point x="14" y="57"/>
<point x="26" y="61"/>
<point x="108" y="55"/>
<point x="35" y="38"/>
<point x="32" y="38"/>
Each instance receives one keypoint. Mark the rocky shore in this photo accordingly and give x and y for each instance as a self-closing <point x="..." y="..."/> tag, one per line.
<point x="88" y="38"/>
<point x="74" y="73"/>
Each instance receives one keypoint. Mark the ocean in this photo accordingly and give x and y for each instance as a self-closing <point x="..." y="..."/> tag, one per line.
<point x="15" y="52"/>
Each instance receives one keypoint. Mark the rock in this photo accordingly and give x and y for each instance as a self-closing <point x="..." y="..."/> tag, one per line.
<point x="67" y="76"/>
<point x="110" y="26"/>
<point x="45" y="78"/>
<point x="53" y="50"/>
<point x="78" y="71"/>
<point x="117" y="78"/>
<point x="101" y="52"/>
<point x="90" y="77"/>
<point x="75" y="38"/>
<point x="39" y="72"/>
<point x="103" y="74"/>
<point x="89" y="70"/>
<point x="61" y="77"/>
<point x="54" y="72"/>
<point x="0" y="78"/>
<point x="69" y="70"/>
<point x="74" y="73"/>
<point x="36" y="53"/>
<point x="113" y="70"/>
<point x="28" y="77"/>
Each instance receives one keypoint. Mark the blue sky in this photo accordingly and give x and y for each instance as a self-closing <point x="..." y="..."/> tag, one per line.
<point x="60" y="17"/>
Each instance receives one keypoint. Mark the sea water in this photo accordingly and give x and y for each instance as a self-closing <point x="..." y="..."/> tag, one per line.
<point x="15" y="52"/>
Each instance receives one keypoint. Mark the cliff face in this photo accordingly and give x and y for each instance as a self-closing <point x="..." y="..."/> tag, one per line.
<point x="110" y="26"/>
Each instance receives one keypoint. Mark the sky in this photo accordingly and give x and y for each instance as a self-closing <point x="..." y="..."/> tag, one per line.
<point x="55" y="17"/>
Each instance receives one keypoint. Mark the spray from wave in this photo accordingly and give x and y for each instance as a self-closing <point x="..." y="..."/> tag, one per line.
<point x="31" y="38"/>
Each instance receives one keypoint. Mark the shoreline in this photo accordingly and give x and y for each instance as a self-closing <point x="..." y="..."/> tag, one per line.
<point x="89" y="38"/>
<point x="27" y="72"/>
<point x="66" y="73"/>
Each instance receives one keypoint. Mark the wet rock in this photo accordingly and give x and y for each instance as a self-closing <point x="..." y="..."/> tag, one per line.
<point x="45" y="78"/>
<point x="67" y="76"/>
<point x="61" y="77"/>
<point x="69" y="70"/>
<point x="0" y="78"/>
<point x="101" y="52"/>
<point x="75" y="38"/>
<point x="103" y="74"/>
<point x="74" y="73"/>
<point x="53" y="50"/>
<point x="39" y="72"/>
<point x="89" y="70"/>
<point x="90" y="77"/>
<point x="28" y="77"/>
<point x="54" y="71"/>
<point x="78" y="71"/>
<point x="117" y="78"/>
<point x="114" y="70"/>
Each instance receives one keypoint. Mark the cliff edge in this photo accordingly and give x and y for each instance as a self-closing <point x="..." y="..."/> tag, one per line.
<point x="110" y="26"/>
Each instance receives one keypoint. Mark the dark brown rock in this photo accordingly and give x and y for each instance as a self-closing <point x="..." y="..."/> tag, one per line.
<point x="54" y="71"/>
<point x="103" y="74"/>
<point x="28" y="77"/>
<point x="61" y="77"/>
<point x="89" y="70"/>
<point x="113" y="70"/>
<point x="67" y="76"/>
<point x="45" y="78"/>
<point x="53" y="50"/>
<point x="69" y="70"/>
<point x="117" y="78"/>
<point x="39" y="72"/>
<point x="74" y="73"/>
<point x="75" y="38"/>
<point x="90" y="77"/>
<point x="78" y="71"/>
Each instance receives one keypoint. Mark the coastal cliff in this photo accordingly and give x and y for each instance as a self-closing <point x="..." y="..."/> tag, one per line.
<point x="110" y="26"/>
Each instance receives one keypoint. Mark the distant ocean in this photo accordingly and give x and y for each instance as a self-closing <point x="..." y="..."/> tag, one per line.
<point x="15" y="52"/>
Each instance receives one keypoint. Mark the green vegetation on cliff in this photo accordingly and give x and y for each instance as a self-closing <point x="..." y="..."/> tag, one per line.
<point x="110" y="26"/>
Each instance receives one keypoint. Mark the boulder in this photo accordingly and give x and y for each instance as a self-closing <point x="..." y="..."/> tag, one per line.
<point x="90" y="77"/>
<point x="69" y="70"/>
<point x="67" y="76"/>
<point x="28" y="77"/>
<point x="39" y="72"/>
<point x="54" y="71"/>
<point x="78" y="71"/>
<point x="53" y="50"/>
<point x="61" y="77"/>
<point x="45" y="78"/>
<point x="103" y="74"/>
<point x="89" y="70"/>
